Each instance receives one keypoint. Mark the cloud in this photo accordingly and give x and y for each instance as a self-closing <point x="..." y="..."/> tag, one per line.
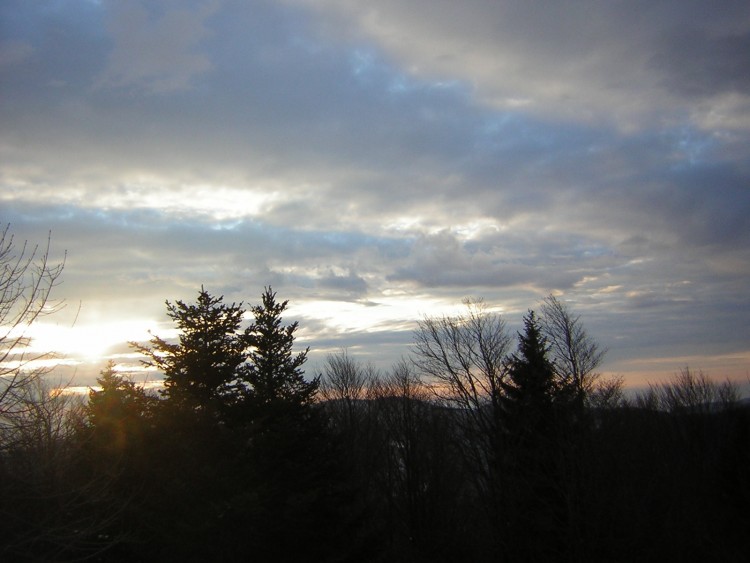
<point x="580" y="60"/>
<point x="389" y="159"/>
<point x="694" y="64"/>
<point x="155" y="46"/>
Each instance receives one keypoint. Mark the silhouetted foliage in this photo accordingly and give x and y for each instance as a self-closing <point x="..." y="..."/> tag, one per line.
<point x="534" y="405"/>
<point x="465" y="452"/>
<point x="27" y="278"/>
<point x="530" y="389"/>
<point x="201" y="370"/>
<point x="118" y="411"/>
<point x="239" y="454"/>
<point x="53" y="505"/>
<point x="576" y="355"/>
<point x="49" y="501"/>
<point x="691" y="392"/>
<point x="464" y="358"/>
<point x="343" y="385"/>
<point x="274" y="372"/>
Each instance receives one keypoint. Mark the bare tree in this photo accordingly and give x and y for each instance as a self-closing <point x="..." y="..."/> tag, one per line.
<point x="49" y="505"/>
<point x="464" y="356"/>
<point x="344" y="384"/>
<point x="463" y="359"/>
<point x="27" y="277"/>
<point x="46" y="417"/>
<point x="343" y="379"/>
<point x="694" y="392"/>
<point x="607" y="393"/>
<point x="403" y="382"/>
<point x="420" y="468"/>
<point x="575" y="353"/>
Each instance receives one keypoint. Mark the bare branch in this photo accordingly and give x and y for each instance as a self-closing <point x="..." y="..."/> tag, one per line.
<point x="464" y="355"/>
<point x="27" y="279"/>
<point x="575" y="353"/>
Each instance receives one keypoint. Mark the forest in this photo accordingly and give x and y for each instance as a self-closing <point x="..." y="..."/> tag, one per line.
<point x="481" y="445"/>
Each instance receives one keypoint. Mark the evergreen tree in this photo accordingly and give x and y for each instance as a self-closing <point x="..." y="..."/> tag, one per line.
<point x="195" y="471"/>
<point x="117" y="412"/>
<point x="274" y="372"/>
<point x="534" y="499"/>
<point x="221" y="491"/>
<point x="201" y="371"/>
<point x="530" y="387"/>
<point x="292" y="467"/>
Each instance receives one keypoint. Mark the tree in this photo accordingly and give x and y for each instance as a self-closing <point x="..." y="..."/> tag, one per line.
<point x="607" y="394"/>
<point x="417" y="463"/>
<point x="344" y="384"/>
<point x="694" y="392"/>
<point x="118" y="410"/>
<point x="47" y="500"/>
<point x="533" y="493"/>
<point x="27" y="278"/>
<point x="530" y="389"/>
<point x="51" y="504"/>
<point x="274" y="372"/>
<point x="575" y="353"/>
<point x="202" y="370"/>
<point x="462" y="358"/>
<point x="343" y="380"/>
<point x="295" y="507"/>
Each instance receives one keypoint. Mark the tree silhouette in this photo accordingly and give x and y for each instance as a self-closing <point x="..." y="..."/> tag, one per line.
<point x="532" y="458"/>
<point x="202" y="370"/>
<point x="27" y="278"/>
<point x="296" y="501"/>
<point x="530" y="387"/>
<point x="118" y="411"/>
<point x="274" y="372"/>
<point x="464" y="359"/>
<point x="575" y="353"/>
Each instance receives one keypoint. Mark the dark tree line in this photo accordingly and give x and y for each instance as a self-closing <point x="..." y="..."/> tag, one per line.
<point x="231" y="461"/>
<point x="471" y="451"/>
<point x="481" y="446"/>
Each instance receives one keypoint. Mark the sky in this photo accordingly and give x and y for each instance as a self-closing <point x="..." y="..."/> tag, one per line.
<point x="377" y="162"/>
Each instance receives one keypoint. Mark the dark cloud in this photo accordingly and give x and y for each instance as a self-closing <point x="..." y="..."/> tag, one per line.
<point x="349" y="283"/>
<point x="696" y="64"/>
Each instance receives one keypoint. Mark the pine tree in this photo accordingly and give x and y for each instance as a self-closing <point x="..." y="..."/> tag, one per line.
<point x="534" y="497"/>
<point x="530" y="386"/>
<point x="290" y="463"/>
<point x="201" y="371"/>
<point x="193" y="471"/>
<point x="118" y="411"/>
<point x="274" y="372"/>
<point x="240" y="456"/>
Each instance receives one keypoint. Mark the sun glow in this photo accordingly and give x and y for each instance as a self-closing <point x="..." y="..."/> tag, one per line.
<point x="86" y="341"/>
<point x="216" y="201"/>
